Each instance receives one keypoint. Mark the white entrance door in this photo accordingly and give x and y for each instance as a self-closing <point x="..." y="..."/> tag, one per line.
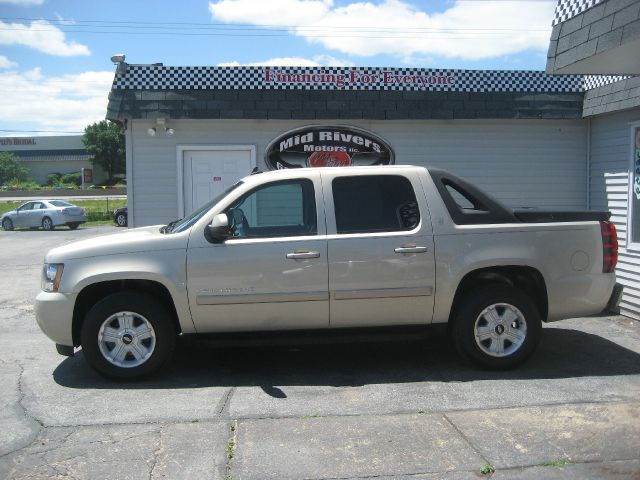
<point x="208" y="173"/>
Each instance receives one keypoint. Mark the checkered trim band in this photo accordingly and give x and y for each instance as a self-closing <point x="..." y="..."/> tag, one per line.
<point x="150" y="77"/>
<point x="595" y="81"/>
<point x="567" y="9"/>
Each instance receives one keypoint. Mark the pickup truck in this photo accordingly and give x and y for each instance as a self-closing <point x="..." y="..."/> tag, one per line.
<point x="325" y="249"/>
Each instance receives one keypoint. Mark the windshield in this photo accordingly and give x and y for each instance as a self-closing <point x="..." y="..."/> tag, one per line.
<point x="189" y="220"/>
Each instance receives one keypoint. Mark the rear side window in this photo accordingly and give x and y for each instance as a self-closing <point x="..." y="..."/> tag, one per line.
<point x="374" y="203"/>
<point x="60" y="203"/>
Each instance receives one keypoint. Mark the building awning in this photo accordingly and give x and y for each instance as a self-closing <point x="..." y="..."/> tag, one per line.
<point x="318" y="93"/>
<point x="52" y="155"/>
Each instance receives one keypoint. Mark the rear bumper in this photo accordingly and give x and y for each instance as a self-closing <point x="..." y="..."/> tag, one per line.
<point x="65" y="219"/>
<point x="613" y="305"/>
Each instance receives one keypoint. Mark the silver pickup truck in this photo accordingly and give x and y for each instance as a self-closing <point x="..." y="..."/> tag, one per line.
<point x="331" y="248"/>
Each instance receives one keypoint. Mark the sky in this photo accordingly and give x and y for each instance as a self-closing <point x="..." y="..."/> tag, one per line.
<point x="55" y="68"/>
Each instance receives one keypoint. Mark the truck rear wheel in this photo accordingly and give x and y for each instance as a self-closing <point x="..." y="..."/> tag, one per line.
<point x="496" y="326"/>
<point x="127" y="335"/>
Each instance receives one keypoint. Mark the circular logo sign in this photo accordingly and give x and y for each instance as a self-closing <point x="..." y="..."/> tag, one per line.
<point x="327" y="146"/>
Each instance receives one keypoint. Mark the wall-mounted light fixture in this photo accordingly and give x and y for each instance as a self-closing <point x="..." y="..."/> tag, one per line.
<point x="160" y="127"/>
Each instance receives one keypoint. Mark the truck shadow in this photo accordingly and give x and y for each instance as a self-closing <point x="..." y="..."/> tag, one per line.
<point x="563" y="353"/>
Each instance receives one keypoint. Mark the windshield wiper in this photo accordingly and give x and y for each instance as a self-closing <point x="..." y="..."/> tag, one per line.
<point x="169" y="227"/>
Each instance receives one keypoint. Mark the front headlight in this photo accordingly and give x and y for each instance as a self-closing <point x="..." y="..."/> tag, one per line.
<point x="51" y="276"/>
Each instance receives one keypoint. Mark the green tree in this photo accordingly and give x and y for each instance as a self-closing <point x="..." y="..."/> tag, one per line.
<point x="105" y="144"/>
<point x="11" y="168"/>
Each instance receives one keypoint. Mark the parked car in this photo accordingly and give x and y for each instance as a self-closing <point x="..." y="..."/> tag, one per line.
<point x="331" y="249"/>
<point x="120" y="216"/>
<point x="46" y="214"/>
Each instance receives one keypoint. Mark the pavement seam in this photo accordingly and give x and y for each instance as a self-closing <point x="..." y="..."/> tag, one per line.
<point x="462" y="410"/>
<point x="219" y="417"/>
<point x="473" y="472"/>
<point x="232" y="444"/>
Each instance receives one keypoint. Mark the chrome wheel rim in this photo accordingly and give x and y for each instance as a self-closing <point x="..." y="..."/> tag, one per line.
<point x="121" y="220"/>
<point x="126" y="339"/>
<point x="6" y="224"/>
<point x="500" y="330"/>
<point x="46" y="224"/>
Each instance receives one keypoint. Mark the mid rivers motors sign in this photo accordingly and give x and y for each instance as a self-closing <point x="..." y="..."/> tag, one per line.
<point x="327" y="146"/>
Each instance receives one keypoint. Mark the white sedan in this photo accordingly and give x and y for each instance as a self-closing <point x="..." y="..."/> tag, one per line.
<point x="47" y="214"/>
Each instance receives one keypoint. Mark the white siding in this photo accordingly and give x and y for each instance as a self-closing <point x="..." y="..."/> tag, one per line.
<point x="522" y="162"/>
<point x="610" y="161"/>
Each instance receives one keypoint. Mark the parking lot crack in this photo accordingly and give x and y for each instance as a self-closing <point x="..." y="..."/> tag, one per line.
<point x="225" y="401"/>
<point x="22" y="396"/>
<point x="465" y="438"/>
<point x="156" y="454"/>
<point x="32" y="419"/>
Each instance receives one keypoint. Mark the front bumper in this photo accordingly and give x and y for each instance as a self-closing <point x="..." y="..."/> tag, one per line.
<point x="54" y="314"/>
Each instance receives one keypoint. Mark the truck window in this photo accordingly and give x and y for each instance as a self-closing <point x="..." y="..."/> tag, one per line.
<point x="279" y="209"/>
<point x="374" y="203"/>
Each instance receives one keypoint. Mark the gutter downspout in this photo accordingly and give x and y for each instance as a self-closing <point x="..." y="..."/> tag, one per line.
<point x="128" y="148"/>
<point x="589" y="163"/>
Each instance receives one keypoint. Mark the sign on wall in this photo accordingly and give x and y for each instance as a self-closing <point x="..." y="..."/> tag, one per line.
<point x="17" y="141"/>
<point x="327" y="146"/>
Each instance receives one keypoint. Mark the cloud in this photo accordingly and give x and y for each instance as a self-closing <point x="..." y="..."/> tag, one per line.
<point x="6" y="63"/>
<point x="67" y="103"/>
<point x="317" y="61"/>
<point x="273" y="12"/>
<point x="23" y="3"/>
<point x="469" y="30"/>
<point x="40" y="35"/>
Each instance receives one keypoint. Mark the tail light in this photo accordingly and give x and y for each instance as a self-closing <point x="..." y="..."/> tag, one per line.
<point x="609" y="246"/>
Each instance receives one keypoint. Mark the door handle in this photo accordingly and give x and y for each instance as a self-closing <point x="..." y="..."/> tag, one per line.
<point x="302" y="254"/>
<point x="410" y="248"/>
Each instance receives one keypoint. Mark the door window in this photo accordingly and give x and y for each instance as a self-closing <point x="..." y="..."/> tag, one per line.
<point x="374" y="203"/>
<point x="279" y="209"/>
<point x="26" y="207"/>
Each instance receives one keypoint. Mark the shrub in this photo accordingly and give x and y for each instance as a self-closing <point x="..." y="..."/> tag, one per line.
<point x="53" y="178"/>
<point x="18" y="184"/>
<point x="11" y="168"/>
<point x="72" y="178"/>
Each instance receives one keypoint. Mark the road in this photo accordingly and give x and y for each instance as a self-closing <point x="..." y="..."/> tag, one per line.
<point x="377" y="410"/>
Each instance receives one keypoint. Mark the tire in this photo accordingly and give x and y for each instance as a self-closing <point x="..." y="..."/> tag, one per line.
<point x="72" y="226"/>
<point x="47" y="224"/>
<point x="497" y="327"/>
<point x="7" y="224"/>
<point x="127" y="336"/>
<point x="121" y="220"/>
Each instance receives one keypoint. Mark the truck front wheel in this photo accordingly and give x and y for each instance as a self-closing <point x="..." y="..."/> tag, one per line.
<point x="127" y="335"/>
<point x="496" y="326"/>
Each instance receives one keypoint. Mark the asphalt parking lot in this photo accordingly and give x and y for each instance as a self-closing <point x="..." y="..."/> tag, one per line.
<point x="375" y="410"/>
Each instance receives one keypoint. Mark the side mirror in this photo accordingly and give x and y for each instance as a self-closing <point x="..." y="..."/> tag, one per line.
<point x="218" y="230"/>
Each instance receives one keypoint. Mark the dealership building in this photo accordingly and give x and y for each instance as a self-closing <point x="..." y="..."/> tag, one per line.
<point x="528" y="138"/>
<point x="54" y="154"/>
